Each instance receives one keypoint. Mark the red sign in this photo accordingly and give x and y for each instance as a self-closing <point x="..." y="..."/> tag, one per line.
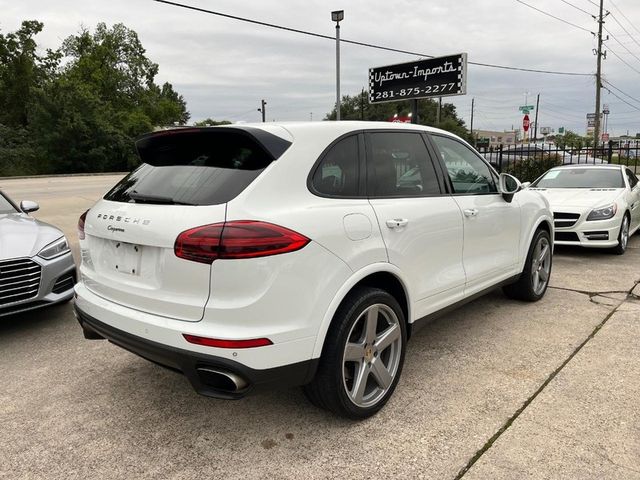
<point x="605" y="137"/>
<point x="525" y="123"/>
<point x="397" y="119"/>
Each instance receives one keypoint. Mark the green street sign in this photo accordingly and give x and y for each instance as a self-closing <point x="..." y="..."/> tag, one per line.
<point x="525" y="108"/>
<point x="561" y="130"/>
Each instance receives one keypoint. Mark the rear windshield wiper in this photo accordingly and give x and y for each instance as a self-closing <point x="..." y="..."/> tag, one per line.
<point x="159" y="199"/>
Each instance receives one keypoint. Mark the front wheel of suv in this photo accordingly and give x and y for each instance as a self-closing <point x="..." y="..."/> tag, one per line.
<point x="362" y="357"/>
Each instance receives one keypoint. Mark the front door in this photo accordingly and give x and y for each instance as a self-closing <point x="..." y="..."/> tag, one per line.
<point x="491" y="224"/>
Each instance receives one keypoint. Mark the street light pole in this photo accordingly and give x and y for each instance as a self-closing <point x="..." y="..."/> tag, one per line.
<point x="337" y="16"/>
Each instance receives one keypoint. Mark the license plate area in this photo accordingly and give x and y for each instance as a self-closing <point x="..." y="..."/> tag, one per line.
<point x="127" y="258"/>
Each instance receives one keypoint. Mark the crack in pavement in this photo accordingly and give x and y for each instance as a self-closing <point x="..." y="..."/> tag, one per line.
<point x="489" y="443"/>
<point x="629" y="295"/>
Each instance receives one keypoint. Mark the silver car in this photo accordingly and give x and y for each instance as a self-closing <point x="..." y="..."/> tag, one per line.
<point x="36" y="265"/>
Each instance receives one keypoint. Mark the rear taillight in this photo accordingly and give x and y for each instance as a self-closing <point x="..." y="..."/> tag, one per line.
<point x="218" y="343"/>
<point x="81" y="221"/>
<point x="239" y="239"/>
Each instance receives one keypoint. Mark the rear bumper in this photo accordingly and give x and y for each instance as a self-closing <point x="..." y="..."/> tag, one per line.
<point x="193" y="364"/>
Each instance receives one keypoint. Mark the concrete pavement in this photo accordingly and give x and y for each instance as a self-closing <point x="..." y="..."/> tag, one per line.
<point x="496" y="389"/>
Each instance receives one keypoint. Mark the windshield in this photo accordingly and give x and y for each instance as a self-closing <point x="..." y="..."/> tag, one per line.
<point x="581" y="178"/>
<point x="6" y="206"/>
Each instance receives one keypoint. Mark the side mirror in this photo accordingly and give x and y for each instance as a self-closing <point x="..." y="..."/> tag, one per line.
<point x="28" y="206"/>
<point x="508" y="185"/>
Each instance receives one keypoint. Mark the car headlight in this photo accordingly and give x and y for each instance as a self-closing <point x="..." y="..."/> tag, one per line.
<point x="603" y="213"/>
<point x="54" y="249"/>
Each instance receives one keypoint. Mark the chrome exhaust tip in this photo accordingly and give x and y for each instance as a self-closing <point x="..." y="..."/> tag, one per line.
<point x="222" y="380"/>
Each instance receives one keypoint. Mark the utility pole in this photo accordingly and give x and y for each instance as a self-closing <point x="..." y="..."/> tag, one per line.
<point x="596" y="130"/>
<point x="535" y="126"/>
<point x="263" y="109"/>
<point x="472" y="137"/>
<point x="438" y="111"/>
<point x="337" y="16"/>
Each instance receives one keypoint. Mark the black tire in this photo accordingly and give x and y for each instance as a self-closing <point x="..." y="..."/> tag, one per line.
<point x="622" y="243"/>
<point x="330" y="387"/>
<point x="525" y="287"/>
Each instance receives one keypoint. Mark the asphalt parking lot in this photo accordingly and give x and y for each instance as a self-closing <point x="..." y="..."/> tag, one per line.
<point x="497" y="389"/>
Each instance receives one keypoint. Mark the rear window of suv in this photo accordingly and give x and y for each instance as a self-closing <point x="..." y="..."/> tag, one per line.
<point x="197" y="166"/>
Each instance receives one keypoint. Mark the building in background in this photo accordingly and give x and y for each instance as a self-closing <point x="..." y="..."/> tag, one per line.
<point x="491" y="139"/>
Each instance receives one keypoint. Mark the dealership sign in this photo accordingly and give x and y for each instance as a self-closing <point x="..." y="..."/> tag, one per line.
<point x="435" y="77"/>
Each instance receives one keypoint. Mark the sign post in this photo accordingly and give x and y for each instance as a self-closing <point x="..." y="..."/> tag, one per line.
<point x="525" y="124"/>
<point x="434" y="77"/>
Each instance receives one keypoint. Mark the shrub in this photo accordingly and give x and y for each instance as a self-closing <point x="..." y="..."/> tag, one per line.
<point x="528" y="169"/>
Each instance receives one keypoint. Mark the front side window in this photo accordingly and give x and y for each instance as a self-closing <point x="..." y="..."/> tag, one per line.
<point x="5" y="206"/>
<point x="338" y="172"/>
<point x="468" y="173"/>
<point x="399" y="166"/>
<point x="633" y="180"/>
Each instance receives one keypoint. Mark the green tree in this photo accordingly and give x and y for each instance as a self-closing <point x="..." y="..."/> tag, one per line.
<point x="357" y="107"/>
<point x="210" y="122"/>
<point x="22" y="72"/>
<point x="103" y="97"/>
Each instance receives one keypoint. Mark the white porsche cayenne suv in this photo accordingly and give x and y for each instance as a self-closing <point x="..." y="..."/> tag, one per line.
<point x="302" y="254"/>
<point x="596" y="206"/>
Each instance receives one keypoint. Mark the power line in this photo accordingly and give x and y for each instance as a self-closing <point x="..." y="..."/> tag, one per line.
<point x="362" y="44"/>
<point x="553" y="16"/>
<point x="624" y="16"/>
<point x="611" y="35"/>
<point x="622" y="99"/>
<point x="623" y="60"/>
<point x="625" y="30"/>
<point x="578" y="8"/>
<point x="624" y="93"/>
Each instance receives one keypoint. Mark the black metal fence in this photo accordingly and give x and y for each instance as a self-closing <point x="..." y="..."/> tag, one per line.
<point x="504" y="158"/>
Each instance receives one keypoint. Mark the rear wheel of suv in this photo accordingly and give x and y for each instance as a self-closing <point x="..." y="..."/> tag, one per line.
<point x="534" y="280"/>
<point x="363" y="355"/>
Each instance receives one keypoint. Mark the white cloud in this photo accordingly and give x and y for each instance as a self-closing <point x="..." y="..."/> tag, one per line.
<point x="224" y="67"/>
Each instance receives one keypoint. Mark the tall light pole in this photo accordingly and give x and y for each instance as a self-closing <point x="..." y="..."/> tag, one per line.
<point x="337" y="16"/>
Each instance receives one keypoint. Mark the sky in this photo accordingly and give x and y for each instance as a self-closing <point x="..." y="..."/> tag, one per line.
<point x="224" y="67"/>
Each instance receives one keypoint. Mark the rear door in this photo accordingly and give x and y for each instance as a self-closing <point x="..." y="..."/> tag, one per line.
<point x="421" y="226"/>
<point x="186" y="180"/>
<point x="491" y="224"/>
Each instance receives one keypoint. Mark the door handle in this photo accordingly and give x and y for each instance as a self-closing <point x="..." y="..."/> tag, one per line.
<point x="471" y="212"/>
<point x="397" y="223"/>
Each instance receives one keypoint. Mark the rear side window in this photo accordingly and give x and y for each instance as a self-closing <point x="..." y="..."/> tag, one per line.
<point x="338" y="173"/>
<point x="195" y="167"/>
<point x="633" y="180"/>
<point x="399" y="166"/>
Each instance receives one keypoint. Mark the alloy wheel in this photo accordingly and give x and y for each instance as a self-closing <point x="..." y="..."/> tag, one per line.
<point x="541" y="265"/>
<point x="624" y="232"/>
<point x="372" y="355"/>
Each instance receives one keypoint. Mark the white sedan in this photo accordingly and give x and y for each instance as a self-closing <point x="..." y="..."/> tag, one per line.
<point x="593" y="205"/>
